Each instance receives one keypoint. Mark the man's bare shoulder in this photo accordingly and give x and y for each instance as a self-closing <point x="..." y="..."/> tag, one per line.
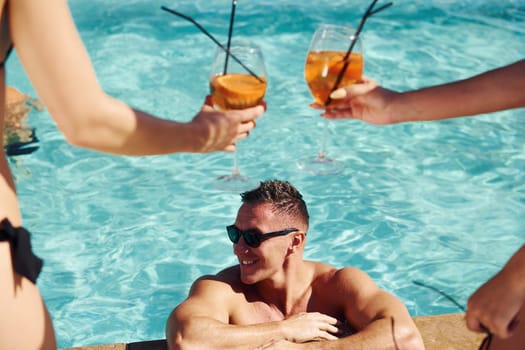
<point x="225" y="280"/>
<point x="203" y="296"/>
<point x="326" y="271"/>
<point x="330" y="276"/>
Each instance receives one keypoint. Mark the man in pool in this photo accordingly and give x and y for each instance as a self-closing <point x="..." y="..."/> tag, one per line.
<point x="273" y="299"/>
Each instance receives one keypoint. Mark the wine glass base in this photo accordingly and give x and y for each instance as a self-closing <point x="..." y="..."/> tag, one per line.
<point x="320" y="165"/>
<point x="235" y="183"/>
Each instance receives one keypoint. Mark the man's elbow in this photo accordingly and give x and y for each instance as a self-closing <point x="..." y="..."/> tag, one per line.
<point x="177" y="342"/>
<point x="408" y="338"/>
<point x="176" y="337"/>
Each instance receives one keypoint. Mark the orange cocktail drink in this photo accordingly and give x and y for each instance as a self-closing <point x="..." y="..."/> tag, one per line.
<point x="237" y="90"/>
<point x="322" y="69"/>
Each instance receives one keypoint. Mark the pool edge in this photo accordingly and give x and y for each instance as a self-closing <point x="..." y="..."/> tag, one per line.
<point x="439" y="332"/>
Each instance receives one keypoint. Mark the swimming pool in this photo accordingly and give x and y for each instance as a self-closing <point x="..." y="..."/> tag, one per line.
<point x="123" y="238"/>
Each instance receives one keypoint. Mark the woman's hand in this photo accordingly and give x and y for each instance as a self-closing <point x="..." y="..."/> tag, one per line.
<point x="220" y="130"/>
<point x="366" y="101"/>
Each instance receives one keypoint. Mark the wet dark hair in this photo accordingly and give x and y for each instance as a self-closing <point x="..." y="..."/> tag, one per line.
<point x="284" y="197"/>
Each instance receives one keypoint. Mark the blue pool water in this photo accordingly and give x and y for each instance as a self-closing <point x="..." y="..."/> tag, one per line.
<point x="123" y="238"/>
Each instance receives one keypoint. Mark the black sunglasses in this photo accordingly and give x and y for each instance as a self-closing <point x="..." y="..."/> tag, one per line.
<point x="253" y="238"/>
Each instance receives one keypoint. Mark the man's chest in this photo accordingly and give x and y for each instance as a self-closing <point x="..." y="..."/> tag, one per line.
<point x="246" y="312"/>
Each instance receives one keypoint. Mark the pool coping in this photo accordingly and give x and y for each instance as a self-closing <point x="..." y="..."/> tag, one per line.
<point x="439" y="332"/>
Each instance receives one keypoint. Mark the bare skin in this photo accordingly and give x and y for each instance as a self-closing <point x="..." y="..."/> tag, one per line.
<point x="492" y="91"/>
<point x="55" y="60"/>
<point x="516" y="339"/>
<point x="499" y="304"/>
<point x="274" y="298"/>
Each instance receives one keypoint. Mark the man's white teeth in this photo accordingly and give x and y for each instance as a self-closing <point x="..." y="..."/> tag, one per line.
<point x="247" y="262"/>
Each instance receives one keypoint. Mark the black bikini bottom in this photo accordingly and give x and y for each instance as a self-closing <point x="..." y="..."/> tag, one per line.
<point x="25" y="262"/>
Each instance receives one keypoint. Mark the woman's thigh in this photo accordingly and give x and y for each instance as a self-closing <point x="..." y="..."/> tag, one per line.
<point x="25" y="322"/>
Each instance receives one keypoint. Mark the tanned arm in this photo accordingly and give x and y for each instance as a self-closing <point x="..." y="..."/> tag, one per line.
<point x="492" y="91"/>
<point x="57" y="63"/>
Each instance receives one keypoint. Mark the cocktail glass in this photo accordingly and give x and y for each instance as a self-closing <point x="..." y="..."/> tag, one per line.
<point x="237" y="84"/>
<point x="325" y="61"/>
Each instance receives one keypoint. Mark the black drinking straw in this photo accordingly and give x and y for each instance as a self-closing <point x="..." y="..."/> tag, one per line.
<point x="209" y="35"/>
<point x="440" y="292"/>
<point x="230" y="32"/>
<point x="369" y="12"/>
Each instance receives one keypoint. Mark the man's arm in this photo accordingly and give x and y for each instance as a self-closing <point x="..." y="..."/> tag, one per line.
<point x="202" y="322"/>
<point x="381" y="319"/>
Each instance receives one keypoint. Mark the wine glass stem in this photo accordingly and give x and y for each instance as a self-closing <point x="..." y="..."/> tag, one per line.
<point x="235" y="169"/>
<point x="323" y="139"/>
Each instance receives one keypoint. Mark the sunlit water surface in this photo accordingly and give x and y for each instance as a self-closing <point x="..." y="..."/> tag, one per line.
<point x="123" y="238"/>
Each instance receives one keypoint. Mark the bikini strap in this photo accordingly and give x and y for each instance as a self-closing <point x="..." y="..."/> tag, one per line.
<point x="25" y="262"/>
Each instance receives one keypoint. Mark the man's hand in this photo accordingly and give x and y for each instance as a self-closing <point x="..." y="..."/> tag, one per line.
<point x="308" y="326"/>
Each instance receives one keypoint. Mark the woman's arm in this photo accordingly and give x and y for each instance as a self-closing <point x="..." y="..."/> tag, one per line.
<point x="57" y="63"/>
<point x="495" y="90"/>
